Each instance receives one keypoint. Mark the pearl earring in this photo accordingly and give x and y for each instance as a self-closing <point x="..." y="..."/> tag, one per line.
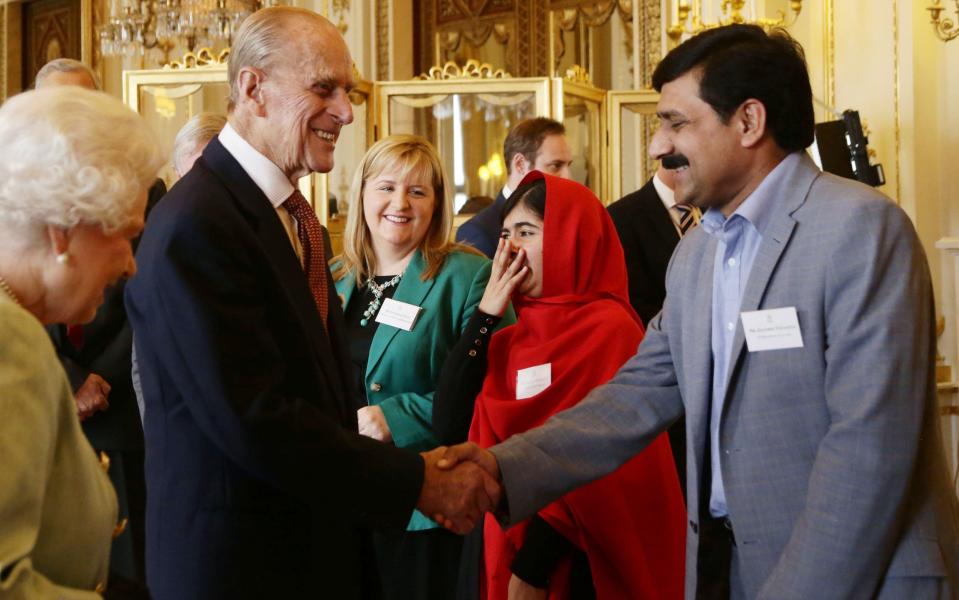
<point x="63" y="258"/>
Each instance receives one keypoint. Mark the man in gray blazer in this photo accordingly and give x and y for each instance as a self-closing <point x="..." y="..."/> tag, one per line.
<point x="797" y="338"/>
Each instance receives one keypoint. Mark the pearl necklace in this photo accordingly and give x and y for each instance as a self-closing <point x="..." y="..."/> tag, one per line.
<point x="377" y="291"/>
<point x="6" y="288"/>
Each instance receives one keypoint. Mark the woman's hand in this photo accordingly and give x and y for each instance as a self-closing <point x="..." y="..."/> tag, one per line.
<point x="520" y="590"/>
<point x="504" y="278"/>
<point x="372" y="423"/>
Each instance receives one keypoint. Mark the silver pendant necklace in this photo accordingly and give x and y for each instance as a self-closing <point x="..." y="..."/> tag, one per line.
<point x="377" y="291"/>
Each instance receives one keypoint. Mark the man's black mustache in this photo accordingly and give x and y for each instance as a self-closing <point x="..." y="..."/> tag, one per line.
<point x="674" y="161"/>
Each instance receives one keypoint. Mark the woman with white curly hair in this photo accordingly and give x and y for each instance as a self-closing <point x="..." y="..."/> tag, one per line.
<point x="75" y="166"/>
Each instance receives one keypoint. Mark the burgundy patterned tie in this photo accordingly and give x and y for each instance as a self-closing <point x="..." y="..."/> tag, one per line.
<point x="314" y="256"/>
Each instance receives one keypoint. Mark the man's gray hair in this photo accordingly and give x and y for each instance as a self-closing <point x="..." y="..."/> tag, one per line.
<point x="65" y="65"/>
<point x="261" y="41"/>
<point x="197" y="132"/>
<point x="71" y="156"/>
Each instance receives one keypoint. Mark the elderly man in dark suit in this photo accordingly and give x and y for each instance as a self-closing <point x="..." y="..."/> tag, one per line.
<point x="257" y="480"/>
<point x="537" y="144"/>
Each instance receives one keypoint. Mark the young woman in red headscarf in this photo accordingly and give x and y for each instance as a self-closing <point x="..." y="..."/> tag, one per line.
<point x="560" y="260"/>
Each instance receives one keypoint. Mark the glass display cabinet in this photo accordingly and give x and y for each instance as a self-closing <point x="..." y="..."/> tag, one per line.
<point x="631" y="123"/>
<point x="467" y="111"/>
<point x="581" y="108"/>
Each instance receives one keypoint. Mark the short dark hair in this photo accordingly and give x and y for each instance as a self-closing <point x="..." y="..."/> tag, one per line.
<point x="740" y="62"/>
<point x="532" y="195"/>
<point x="527" y="137"/>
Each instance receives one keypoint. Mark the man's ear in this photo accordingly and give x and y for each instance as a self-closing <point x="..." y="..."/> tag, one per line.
<point x="519" y="164"/>
<point x="250" y="82"/>
<point x="751" y="120"/>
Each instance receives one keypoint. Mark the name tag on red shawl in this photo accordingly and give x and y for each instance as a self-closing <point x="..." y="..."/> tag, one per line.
<point x="533" y="380"/>
<point x="398" y="314"/>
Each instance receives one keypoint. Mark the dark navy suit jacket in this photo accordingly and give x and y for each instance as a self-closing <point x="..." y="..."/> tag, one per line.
<point x="649" y="237"/>
<point x="256" y="479"/>
<point x="482" y="231"/>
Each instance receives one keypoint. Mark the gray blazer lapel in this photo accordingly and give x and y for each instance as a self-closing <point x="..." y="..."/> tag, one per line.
<point x="775" y="239"/>
<point x="697" y="352"/>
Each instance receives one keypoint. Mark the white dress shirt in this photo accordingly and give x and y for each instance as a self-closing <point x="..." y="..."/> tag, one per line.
<point x="267" y="176"/>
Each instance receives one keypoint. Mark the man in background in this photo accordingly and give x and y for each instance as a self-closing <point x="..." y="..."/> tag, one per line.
<point x="259" y="484"/>
<point x="534" y="144"/>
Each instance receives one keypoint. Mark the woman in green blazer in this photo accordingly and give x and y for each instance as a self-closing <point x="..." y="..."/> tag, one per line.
<point x="408" y="293"/>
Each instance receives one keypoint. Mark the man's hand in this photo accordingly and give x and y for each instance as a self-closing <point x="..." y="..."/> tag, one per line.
<point x="456" y="498"/>
<point x="92" y="396"/>
<point x="373" y="423"/>
<point x="520" y="590"/>
<point x="470" y="452"/>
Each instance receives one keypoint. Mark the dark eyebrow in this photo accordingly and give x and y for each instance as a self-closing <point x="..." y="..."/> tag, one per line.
<point x="522" y="224"/>
<point x="669" y="115"/>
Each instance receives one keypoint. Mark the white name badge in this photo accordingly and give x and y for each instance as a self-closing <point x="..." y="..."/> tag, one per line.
<point x="775" y="329"/>
<point x="533" y="380"/>
<point x="398" y="314"/>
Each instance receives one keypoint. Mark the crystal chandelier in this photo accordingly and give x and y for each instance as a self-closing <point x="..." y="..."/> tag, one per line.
<point x="136" y="26"/>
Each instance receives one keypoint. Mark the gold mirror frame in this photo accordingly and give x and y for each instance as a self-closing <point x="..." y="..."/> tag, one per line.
<point x="550" y="100"/>
<point x="639" y="101"/>
<point x="576" y="85"/>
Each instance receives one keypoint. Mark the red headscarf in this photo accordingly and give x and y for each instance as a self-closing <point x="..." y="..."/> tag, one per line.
<point x="631" y="524"/>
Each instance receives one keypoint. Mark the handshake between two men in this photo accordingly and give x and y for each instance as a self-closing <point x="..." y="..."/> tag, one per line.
<point x="460" y="484"/>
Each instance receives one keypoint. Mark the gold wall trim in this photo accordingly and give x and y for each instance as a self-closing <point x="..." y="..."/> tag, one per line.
<point x="204" y="57"/>
<point x="895" y="83"/>
<point x="3" y="54"/>
<point x="651" y="40"/>
<point x="383" y="40"/>
<point x="87" y="33"/>
<point x="473" y="69"/>
<point x="829" y="68"/>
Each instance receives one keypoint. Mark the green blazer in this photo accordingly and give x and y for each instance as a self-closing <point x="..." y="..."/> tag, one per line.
<point x="404" y="366"/>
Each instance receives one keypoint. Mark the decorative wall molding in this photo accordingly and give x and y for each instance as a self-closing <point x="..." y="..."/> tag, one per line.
<point x="382" y="40"/>
<point x="473" y="69"/>
<point x="204" y="57"/>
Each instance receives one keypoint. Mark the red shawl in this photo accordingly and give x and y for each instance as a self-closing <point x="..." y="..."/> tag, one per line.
<point x="631" y="524"/>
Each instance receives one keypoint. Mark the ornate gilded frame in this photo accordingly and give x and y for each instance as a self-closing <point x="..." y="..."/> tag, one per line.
<point x="639" y="101"/>
<point x="576" y="87"/>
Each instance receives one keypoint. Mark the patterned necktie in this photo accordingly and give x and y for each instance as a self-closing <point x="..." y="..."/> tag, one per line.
<point x="688" y="218"/>
<point x="314" y="255"/>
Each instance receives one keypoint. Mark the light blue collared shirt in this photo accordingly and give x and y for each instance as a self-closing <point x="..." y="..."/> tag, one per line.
<point x="738" y="237"/>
